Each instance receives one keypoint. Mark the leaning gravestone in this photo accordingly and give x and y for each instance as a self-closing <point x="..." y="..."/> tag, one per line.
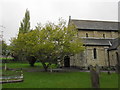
<point x="94" y="77"/>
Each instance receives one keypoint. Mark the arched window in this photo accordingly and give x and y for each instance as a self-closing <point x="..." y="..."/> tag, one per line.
<point x="103" y="35"/>
<point x="86" y="34"/>
<point x="94" y="53"/>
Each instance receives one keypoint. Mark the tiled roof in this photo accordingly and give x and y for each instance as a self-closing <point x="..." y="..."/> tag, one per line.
<point x="115" y="44"/>
<point x="97" y="42"/>
<point x="95" y="25"/>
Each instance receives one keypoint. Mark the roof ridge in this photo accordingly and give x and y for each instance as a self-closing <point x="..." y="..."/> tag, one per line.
<point x="100" y="38"/>
<point x="96" y="21"/>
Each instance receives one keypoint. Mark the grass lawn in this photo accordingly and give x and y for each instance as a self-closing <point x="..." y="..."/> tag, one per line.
<point x="60" y="79"/>
<point x="21" y="65"/>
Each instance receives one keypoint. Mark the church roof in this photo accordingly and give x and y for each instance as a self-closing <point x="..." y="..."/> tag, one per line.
<point x="95" y="25"/>
<point x="115" y="44"/>
<point x="97" y="42"/>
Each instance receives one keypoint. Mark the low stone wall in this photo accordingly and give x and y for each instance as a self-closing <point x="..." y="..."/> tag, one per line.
<point x="12" y="78"/>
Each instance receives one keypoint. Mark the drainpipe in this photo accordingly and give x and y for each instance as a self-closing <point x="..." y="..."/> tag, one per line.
<point x="109" y="58"/>
<point x="86" y="53"/>
<point x="108" y="62"/>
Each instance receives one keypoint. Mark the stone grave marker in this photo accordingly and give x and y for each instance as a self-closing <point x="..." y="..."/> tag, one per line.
<point x="94" y="77"/>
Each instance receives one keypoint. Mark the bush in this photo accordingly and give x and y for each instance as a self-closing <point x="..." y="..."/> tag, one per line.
<point x="104" y="68"/>
<point x="53" y="66"/>
<point x="107" y="68"/>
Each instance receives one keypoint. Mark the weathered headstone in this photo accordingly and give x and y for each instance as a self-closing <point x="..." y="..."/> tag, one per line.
<point x="94" y="77"/>
<point x="51" y="69"/>
<point x="109" y="71"/>
<point x="97" y="69"/>
<point x="117" y="68"/>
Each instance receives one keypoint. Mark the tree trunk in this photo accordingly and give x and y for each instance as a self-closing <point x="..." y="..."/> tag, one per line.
<point x="31" y="60"/>
<point x="45" y="67"/>
<point x="31" y="64"/>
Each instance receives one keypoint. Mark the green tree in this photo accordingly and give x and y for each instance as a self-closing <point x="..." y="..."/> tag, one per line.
<point x="25" y="24"/>
<point x="63" y="41"/>
<point x="5" y="51"/>
<point x="50" y="42"/>
<point x="4" y="48"/>
<point x="24" y="28"/>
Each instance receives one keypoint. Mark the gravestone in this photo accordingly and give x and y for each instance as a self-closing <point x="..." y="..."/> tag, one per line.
<point x="97" y="69"/>
<point x="117" y="68"/>
<point x="94" y="77"/>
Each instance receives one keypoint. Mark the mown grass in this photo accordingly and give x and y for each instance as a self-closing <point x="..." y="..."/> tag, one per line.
<point x="6" y="58"/>
<point x="60" y="79"/>
<point x="51" y="80"/>
<point x="25" y="65"/>
<point x="21" y="65"/>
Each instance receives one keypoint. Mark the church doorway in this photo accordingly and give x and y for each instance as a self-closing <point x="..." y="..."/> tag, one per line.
<point x="66" y="61"/>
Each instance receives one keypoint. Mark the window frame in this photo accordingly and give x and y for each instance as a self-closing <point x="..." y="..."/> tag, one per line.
<point x="103" y="35"/>
<point x="86" y="35"/>
<point x="95" y="53"/>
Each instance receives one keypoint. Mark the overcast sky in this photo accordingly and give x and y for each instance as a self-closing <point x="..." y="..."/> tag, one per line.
<point x="12" y="12"/>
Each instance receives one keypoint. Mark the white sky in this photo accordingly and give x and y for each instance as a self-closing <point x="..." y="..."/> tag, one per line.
<point x="12" y="12"/>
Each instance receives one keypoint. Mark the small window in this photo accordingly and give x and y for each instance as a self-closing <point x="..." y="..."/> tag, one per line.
<point x="86" y="34"/>
<point x="103" y="35"/>
<point x="94" y="53"/>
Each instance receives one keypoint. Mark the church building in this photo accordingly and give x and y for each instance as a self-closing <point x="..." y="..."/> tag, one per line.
<point x="98" y="37"/>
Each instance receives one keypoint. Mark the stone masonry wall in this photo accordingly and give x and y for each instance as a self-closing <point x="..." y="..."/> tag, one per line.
<point x="98" y="34"/>
<point x="113" y="57"/>
<point x="86" y="58"/>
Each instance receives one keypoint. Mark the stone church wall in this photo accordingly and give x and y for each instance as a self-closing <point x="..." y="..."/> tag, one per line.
<point x="98" y="34"/>
<point x="86" y="58"/>
<point x="113" y="57"/>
